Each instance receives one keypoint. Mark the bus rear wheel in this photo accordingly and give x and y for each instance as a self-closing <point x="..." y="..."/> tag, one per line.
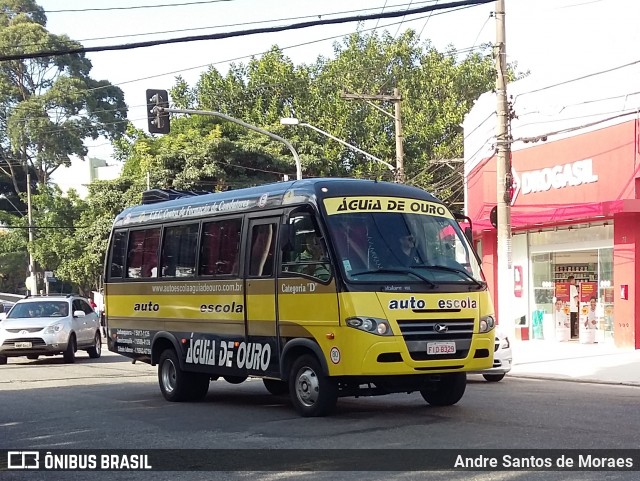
<point x="312" y="393"/>
<point x="446" y="392"/>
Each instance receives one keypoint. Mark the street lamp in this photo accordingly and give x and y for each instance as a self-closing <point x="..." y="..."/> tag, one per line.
<point x="296" y="158"/>
<point x="294" y="121"/>
<point x="2" y="196"/>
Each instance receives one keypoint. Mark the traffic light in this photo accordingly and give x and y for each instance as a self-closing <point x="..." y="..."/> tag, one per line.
<point x="158" y="119"/>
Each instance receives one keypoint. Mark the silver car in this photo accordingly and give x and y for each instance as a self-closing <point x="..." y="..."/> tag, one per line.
<point x="50" y="325"/>
<point x="502" y="359"/>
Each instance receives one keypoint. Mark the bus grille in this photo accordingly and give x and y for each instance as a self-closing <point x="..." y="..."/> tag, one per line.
<point x="417" y="333"/>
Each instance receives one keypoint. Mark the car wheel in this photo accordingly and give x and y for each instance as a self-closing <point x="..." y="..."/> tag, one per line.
<point x="277" y="388"/>
<point x="96" y="350"/>
<point x="3" y="360"/>
<point x="70" y="353"/>
<point x="33" y="357"/>
<point x="312" y="393"/>
<point x="447" y="391"/>
<point x="493" y="377"/>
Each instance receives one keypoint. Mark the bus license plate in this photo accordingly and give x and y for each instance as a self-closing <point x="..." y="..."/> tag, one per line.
<point x="22" y="345"/>
<point x="441" y="348"/>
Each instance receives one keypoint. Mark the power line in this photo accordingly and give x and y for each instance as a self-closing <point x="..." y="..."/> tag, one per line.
<point x="565" y="82"/>
<point x="458" y="51"/>
<point x="426" y="22"/>
<point x="383" y="7"/>
<point x="135" y="7"/>
<point x="242" y="33"/>
<point x="239" y="24"/>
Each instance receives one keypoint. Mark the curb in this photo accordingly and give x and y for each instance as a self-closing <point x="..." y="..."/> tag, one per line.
<point x="547" y="377"/>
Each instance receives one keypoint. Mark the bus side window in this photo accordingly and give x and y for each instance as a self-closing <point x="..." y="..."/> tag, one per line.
<point x="220" y="248"/>
<point x="179" y="250"/>
<point x="308" y="253"/>
<point x="142" y="258"/>
<point x="262" y="250"/>
<point x="118" y="253"/>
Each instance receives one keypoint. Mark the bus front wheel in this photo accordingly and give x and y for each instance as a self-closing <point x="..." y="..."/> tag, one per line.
<point x="446" y="392"/>
<point x="312" y="392"/>
<point x="275" y="387"/>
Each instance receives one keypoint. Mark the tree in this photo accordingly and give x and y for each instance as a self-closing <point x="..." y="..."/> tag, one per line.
<point x="49" y="105"/>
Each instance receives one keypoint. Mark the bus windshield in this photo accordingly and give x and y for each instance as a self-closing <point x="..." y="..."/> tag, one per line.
<point x="401" y="246"/>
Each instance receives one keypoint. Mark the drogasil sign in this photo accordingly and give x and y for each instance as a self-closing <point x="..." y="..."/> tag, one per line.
<point x="557" y="177"/>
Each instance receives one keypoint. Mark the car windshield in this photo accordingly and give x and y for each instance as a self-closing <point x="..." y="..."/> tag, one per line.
<point x="391" y="246"/>
<point x="39" y="309"/>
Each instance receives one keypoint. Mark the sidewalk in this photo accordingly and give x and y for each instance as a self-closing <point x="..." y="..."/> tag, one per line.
<point x="572" y="361"/>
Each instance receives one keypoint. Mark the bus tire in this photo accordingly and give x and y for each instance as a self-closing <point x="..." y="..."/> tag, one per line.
<point x="312" y="393"/>
<point x="3" y="360"/>
<point x="277" y="388"/>
<point x="174" y="382"/>
<point x="198" y="385"/>
<point x="448" y="390"/>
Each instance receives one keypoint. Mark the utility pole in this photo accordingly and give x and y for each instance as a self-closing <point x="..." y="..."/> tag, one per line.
<point x="396" y="98"/>
<point x="33" y="280"/>
<point x="399" y="138"/>
<point x="503" y="165"/>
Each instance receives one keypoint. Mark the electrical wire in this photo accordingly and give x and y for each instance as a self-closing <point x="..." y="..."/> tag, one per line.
<point x="240" y="24"/>
<point x="241" y="33"/>
<point x="425" y="23"/>
<point x="243" y="57"/>
<point x="582" y="77"/>
<point x="134" y="7"/>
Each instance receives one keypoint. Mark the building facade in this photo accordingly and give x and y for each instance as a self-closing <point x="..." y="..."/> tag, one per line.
<point x="575" y="211"/>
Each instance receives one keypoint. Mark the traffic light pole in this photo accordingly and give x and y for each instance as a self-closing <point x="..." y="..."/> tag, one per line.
<point x="244" y="124"/>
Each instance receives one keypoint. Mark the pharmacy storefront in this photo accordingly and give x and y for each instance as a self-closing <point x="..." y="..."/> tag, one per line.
<point x="575" y="213"/>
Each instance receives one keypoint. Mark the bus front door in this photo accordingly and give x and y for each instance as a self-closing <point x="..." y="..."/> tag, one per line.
<point x="261" y="354"/>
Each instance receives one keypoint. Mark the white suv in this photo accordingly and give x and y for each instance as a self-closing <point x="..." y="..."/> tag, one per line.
<point x="49" y="325"/>
<point x="502" y="359"/>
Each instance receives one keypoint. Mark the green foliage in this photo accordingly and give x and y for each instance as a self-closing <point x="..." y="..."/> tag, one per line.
<point x="438" y="89"/>
<point x="50" y="105"/>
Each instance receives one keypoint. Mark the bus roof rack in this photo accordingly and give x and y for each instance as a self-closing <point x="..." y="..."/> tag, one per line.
<point x="153" y="196"/>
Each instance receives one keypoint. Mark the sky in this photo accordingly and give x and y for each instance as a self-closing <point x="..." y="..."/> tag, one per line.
<point x="553" y="39"/>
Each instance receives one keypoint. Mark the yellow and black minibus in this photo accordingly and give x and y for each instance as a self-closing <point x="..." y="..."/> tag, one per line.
<point x="322" y="288"/>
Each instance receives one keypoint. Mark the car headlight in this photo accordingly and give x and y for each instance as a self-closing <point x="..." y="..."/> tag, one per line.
<point x="504" y="344"/>
<point x="486" y="324"/>
<point x="54" y="329"/>
<point x="373" y="325"/>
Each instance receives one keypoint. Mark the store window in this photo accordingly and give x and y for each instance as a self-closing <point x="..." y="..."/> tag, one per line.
<point x="606" y="292"/>
<point x="543" y="286"/>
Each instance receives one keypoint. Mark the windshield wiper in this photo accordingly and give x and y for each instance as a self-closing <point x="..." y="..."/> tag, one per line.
<point x="458" y="271"/>
<point x="397" y="271"/>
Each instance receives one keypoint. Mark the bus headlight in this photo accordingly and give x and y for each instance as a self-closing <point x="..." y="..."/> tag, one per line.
<point x="487" y="323"/>
<point x="373" y="325"/>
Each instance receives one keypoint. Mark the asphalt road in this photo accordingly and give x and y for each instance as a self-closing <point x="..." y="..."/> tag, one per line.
<point x="110" y="403"/>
